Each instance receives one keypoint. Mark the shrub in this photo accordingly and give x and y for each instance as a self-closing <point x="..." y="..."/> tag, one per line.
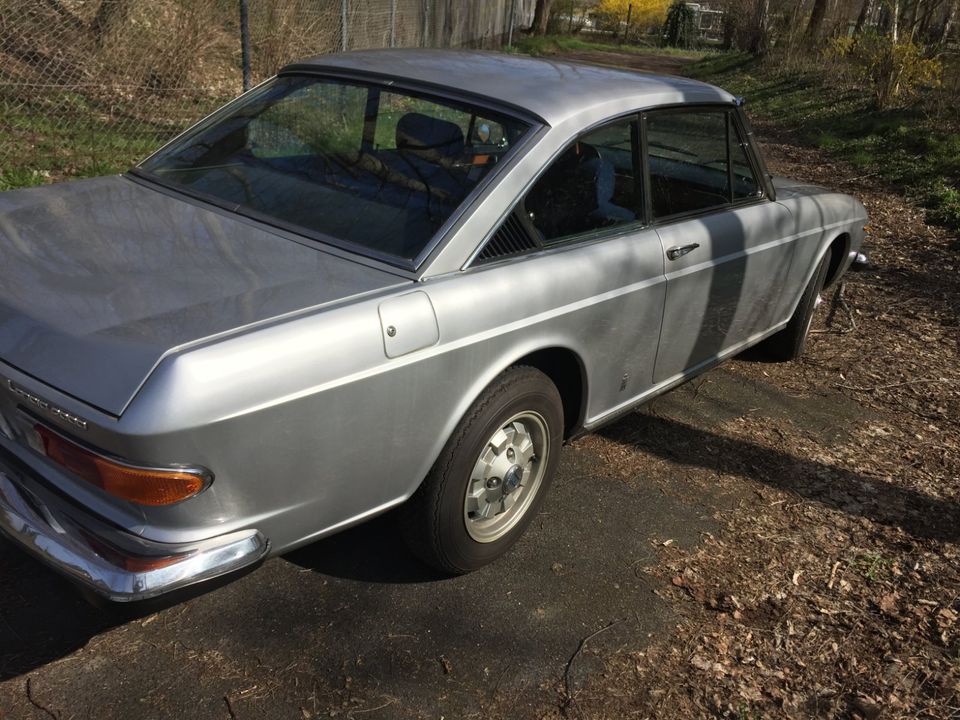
<point x="896" y="71"/>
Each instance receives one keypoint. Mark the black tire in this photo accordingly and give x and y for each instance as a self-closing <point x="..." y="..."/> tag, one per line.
<point x="789" y="343"/>
<point x="434" y="522"/>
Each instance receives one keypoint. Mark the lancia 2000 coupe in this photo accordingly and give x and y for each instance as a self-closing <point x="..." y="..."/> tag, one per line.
<point x="381" y="279"/>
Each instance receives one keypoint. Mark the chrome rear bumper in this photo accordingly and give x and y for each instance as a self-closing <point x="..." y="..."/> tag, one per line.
<point x="112" y="563"/>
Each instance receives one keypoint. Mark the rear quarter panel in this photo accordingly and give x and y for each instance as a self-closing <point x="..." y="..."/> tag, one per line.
<point x="310" y="427"/>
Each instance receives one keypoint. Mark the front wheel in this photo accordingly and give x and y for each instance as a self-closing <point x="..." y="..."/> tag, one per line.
<point x="491" y="476"/>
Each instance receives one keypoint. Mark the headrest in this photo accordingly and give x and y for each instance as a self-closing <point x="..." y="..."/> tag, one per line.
<point x="422" y="132"/>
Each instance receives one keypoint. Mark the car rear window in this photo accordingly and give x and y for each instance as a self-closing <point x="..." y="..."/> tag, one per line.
<point x="375" y="170"/>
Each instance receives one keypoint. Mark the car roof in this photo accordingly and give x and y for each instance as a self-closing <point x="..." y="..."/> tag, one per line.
<point x="553" y="90"/>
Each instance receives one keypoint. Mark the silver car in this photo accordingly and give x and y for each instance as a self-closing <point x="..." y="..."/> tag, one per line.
<point x="380" y="279"/>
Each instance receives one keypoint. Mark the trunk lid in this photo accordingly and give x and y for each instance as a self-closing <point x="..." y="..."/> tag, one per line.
<point x="99" y="279"/>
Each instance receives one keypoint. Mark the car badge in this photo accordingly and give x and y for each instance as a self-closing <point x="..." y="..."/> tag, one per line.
<point x="47" y="407"/>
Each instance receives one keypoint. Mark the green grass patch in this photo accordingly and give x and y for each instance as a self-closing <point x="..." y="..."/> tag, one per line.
<point x="13" y="178"/>
<point x="70" y="137"/>
<point x="874" y="567"/>
<point x="916" y="149"/>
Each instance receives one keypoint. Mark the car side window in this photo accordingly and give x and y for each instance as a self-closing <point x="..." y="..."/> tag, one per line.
<point x="592" y="185"/>
<point x="697" y="162"/>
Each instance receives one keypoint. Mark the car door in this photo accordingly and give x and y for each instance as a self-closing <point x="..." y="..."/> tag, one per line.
<point x="727" y="248"/>
<point x="597" y="258"/>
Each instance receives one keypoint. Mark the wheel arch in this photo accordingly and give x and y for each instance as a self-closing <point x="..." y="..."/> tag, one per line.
<point x="566" y="371"/>
<point x="840" y="249"/>
<point x="564" y="366"/>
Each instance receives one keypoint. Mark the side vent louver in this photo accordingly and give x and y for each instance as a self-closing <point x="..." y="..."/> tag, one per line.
<point x="510" y="239"/>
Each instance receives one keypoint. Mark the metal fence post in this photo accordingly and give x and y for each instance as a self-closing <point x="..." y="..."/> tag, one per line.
<point x="343" y="24"/>
<point x="245" y="43"/>
<point x="426" y="23"/>
<point x="393" y="23"/>
<point x="513" y="12"/>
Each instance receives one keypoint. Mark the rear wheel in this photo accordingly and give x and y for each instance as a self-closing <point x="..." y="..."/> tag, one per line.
<point x="789" y="343"/>
<point x="491" y="476"/>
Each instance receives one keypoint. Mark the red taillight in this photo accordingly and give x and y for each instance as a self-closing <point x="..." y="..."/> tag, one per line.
<point x="130" y="562"/>
<point x="145" y="486"/>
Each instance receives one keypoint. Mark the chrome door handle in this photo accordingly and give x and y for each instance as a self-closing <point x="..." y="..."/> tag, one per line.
<point x="678" y="252"/>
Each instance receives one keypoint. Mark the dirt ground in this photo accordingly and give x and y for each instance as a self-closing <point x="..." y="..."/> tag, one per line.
<point x="770" y="540"/>
<point x="833" y="588"/>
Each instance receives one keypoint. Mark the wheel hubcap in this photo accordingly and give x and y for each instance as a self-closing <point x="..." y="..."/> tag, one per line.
<point x="506" y="477"/>
<point x="512" y="479"/>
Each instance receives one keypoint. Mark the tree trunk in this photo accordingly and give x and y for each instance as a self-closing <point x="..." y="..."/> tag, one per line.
<point x="729" y="29"/>
<point x="912" y="18"/>
<point x="865" y="11"/>
<point x="948" y="22"/>
<point x="922" y="31"/>
<point x="812" y="36"/>
<point x="541" y="17"/>
<point x="760" y="35"/>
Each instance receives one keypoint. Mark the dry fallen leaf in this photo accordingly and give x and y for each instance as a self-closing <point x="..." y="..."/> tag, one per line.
<point x="701" y="663"/>
<point x="888" y="604"/>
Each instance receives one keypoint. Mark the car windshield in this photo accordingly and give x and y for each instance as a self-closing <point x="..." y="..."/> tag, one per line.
<point x="374" y="168"/>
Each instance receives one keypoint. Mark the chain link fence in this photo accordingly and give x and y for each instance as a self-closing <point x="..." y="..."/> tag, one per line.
<point x="87" y="87"/>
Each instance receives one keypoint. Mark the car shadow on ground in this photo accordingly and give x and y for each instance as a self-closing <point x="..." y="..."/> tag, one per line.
<point x="917" y="513"/>
<point x="42" y="617"/>
<point x="370" y="552"/>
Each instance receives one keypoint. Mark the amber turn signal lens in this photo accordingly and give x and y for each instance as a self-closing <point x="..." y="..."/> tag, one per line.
<point x="145" y="486"/>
